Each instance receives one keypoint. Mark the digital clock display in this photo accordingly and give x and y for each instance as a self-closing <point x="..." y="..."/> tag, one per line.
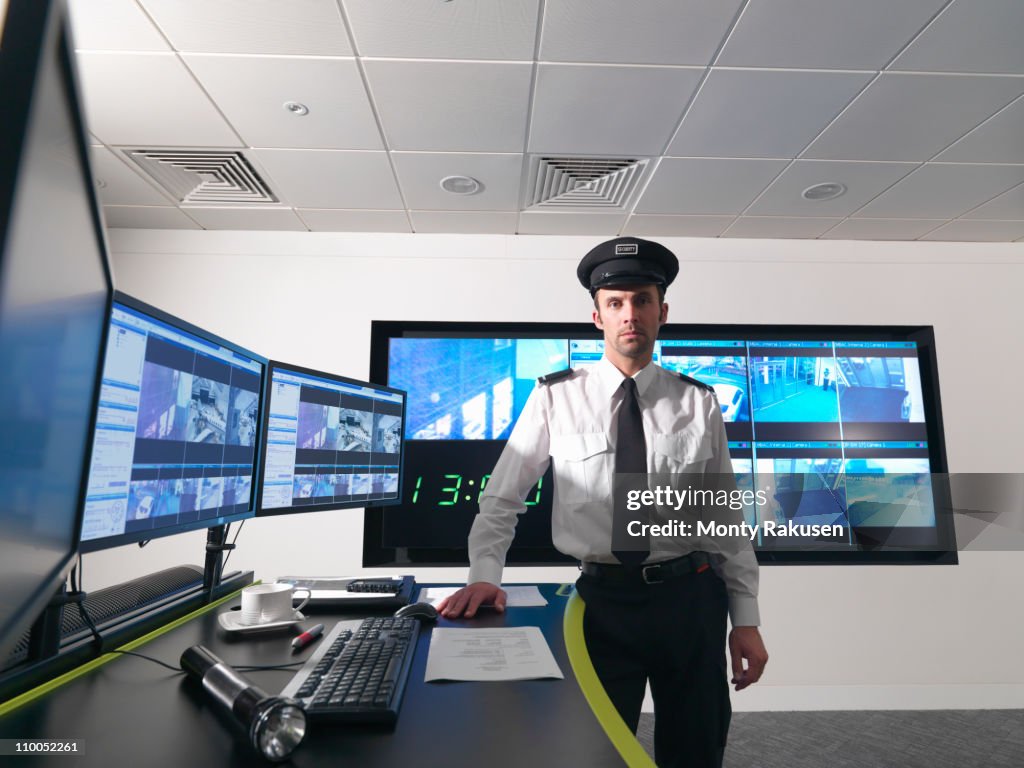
<point x="443" y="487"/>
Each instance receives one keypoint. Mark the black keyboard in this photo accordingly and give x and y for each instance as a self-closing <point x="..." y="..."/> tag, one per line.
<point x="358" y="673"/>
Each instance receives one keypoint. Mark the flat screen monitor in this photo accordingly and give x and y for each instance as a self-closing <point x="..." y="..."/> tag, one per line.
<point x="827" y="425"/>
<point x="331" y="442"/>
<point x="54" y="295"/>
<point x="176" y="442"/>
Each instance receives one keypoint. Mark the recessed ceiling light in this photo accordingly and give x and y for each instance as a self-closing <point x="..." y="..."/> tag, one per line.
<point x="461" y="185"/>
<point x="827" y="191"/>
<point x="296" y="108"/>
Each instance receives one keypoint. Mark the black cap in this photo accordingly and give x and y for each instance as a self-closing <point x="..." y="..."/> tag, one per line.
<point x="627" y="261"/>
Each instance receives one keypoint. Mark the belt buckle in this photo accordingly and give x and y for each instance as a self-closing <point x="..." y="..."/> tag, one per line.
<point x="652" y="579"/>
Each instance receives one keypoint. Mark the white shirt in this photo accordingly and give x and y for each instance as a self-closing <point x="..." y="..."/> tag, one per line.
<point x="572" y="422"/>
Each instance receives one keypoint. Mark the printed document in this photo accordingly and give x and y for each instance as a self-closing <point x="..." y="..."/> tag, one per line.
<point x="507" y="653"/>
<point x="518" y="597"/>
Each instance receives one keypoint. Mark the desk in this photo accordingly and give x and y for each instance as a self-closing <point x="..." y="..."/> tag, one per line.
<point x="133" y="712"/>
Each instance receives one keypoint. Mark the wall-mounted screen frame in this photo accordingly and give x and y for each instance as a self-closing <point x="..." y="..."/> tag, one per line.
<point x="784" y="391"/>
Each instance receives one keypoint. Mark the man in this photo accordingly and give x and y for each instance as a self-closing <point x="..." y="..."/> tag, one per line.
<point x="657" y="613"/>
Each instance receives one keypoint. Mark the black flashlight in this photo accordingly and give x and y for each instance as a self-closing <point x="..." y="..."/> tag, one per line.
<point x="275" y="726"/>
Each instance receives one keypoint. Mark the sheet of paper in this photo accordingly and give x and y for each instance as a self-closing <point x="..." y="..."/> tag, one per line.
<point x="506" y="653"/>
<point x="518" y="597"/>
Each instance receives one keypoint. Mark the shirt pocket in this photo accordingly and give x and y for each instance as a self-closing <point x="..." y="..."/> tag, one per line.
<point x="581" y="467"/>
<point x="681" y="453"/>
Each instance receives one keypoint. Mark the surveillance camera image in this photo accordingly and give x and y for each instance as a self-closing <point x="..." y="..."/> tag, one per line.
<point x="330" y="441"/>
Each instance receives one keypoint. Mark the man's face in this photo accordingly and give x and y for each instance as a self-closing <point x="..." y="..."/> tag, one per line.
<point x="630" y="316"/>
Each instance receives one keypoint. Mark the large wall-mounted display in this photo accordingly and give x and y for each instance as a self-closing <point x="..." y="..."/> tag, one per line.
<point x="837" y="425"/>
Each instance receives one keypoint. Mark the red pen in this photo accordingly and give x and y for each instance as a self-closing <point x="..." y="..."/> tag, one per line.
<point x="307" y="637"/>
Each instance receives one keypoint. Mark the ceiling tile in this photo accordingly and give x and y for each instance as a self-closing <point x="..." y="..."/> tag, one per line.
<point x="118" y="184"/>
<point x="145" y="217"/>
<point x="780" y="226"/>
<point x="301" y="27"/>
<point x="863" y="181"/>
<point x="251" y="92"/>
<point x="465" y="222"/>
<point x="881" y="229"/>
<point x="825" y="35"/>
<point x="420" y="174"/>
<point x="707" y="186"/>
<point x="998" y="140"/>
<point x="467" y="107"/>
<point x="608" y="110"/>
<point x="101" y="25"/>
<point x="1009" y="205"/>
<point x="974" y="36"/>
<point x="311" y="178"/>
<point x="415" y="29"/>
<point x="912" y="117"/>
<point x="148" y="99"/>
<point x="963" y="230"/>
<point x="652" y="32"/>
<point x="938" y="191"/>
<point x="330" y="220"/>
<point x="676" y="226"/>
<point x="544" y="223"/>
<point x="264" y="219"/>
<point x="789" y="109"/>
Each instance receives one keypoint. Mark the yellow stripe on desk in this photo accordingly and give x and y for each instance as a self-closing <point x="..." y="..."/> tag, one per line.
<point x="616" y="729"/>
<point x="41" y="690"/>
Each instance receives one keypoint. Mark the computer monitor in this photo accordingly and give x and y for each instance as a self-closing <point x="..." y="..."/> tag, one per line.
<point x="176" y="442"/>
<point x="827" y="425"/>
<point x="331" y="442"/>
<point x="54" y="293"/>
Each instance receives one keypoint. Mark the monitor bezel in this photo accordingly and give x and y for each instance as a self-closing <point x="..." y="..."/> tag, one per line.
<point x="272" y="366"/>
<point x="109" y="542"/>
<point x="30" y="27"/>
<point x="376" y="554"/>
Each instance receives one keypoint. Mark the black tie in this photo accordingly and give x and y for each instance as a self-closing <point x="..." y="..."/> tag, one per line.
<point x="631" y="475"/>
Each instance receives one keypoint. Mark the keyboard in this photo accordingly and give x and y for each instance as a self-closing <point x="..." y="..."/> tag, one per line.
<point x="359" y="671"/>
<point x="349" y="593"/>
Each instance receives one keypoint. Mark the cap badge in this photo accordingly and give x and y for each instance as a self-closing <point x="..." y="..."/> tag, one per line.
<point x="626" y="249"/>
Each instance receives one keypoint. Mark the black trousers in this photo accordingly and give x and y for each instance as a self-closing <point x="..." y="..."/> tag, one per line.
<point x="672" y="634"/>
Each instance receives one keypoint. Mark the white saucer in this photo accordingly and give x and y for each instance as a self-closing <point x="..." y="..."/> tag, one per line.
<point x="232" y="622"/>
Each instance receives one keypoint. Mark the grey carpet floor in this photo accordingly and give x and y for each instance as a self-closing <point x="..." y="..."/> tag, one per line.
<point x="986" y="738"/>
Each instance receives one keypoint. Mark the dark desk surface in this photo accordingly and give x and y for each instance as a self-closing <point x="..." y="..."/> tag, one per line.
<point x="133" y="712"/>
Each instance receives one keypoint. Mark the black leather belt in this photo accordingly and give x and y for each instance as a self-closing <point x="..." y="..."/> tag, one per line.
<point x="655" y="573"/>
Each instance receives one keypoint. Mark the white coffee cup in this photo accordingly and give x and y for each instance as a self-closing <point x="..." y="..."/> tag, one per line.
<point x="269" y="603"/>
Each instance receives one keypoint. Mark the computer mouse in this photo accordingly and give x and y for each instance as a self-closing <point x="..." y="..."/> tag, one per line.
<point x="421" y="611"/>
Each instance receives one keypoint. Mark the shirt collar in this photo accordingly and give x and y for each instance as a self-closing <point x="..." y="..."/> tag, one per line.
<point x="611" y="377"/>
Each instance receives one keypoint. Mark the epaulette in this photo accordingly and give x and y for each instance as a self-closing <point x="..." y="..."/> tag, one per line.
<point x="550" y="378"/>
<point x="696" y="383"/>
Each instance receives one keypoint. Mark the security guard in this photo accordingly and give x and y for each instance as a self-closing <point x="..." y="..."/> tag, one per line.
<point x="655" y="608"/>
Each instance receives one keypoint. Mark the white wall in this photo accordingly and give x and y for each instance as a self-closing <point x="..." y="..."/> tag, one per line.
<point x="839" y="637"/>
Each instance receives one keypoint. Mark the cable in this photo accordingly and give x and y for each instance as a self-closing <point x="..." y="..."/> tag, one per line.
<point x="76" y="577"/>
<point x="245" y="668"/>
<point x="227" y="557"/>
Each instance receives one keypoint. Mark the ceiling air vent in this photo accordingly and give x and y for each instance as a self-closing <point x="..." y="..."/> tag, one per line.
<point x="587" y="183"/>
<point x="204" y="176"/>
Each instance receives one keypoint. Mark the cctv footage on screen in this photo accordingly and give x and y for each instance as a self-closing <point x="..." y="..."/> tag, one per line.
<point x="823" y="433"/>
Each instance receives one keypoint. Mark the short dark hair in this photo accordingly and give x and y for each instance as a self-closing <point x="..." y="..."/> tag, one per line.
<point x="661" y="294"/>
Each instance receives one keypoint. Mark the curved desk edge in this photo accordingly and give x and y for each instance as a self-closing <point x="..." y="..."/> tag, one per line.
<point x="40" y="690"/>
<point x="576" y="648"/>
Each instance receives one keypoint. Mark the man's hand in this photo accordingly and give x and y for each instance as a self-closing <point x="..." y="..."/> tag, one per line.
<point x="468" y="599"/>
<point x="746" y="643"/>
